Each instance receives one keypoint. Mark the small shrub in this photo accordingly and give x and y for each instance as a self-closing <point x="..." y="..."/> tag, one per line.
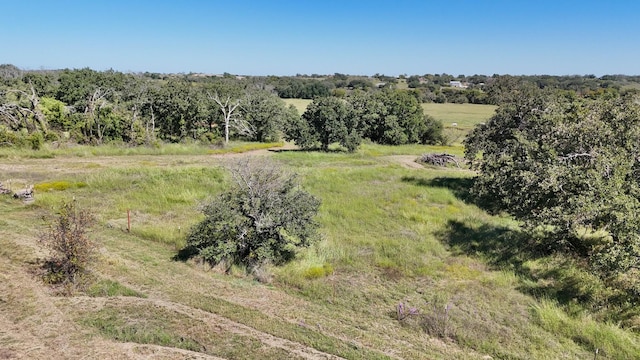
<point x="71" y="249"/>
<point x="263" y="219"/>
<point x="316" y="272"/>
<point x="434" y="318"/>
<point x="58" y="186"/>
<point x="36" y="140"/>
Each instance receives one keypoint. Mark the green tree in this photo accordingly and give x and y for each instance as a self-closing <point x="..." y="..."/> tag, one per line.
<point x="394" y="117"/>
<point x="56" y="113"/>
<point x="569" y="167"/>
<point x="326" y="121"/>
<point x="263" y="218"/>
<point x="262" y="116"/>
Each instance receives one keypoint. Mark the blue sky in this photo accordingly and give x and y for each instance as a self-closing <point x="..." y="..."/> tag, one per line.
<point x="286" y="37"/>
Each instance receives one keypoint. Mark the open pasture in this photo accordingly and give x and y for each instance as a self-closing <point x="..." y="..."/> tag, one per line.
<point x="393" y="233"/>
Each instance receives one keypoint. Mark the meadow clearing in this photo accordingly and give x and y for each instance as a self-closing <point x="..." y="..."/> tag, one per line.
<point x="394" y="233"/>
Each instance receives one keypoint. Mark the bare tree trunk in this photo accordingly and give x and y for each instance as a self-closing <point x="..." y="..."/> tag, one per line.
<point x="97" y="99"/>
<point x="227" y="109"/>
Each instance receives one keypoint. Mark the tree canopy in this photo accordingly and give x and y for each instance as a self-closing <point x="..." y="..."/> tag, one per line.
<point x="326" y="121"/>
<point x="568" y="167"/>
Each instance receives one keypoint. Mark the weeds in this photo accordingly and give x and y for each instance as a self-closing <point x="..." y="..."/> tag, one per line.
<point x="71" y="249"/>
<point x="434" y="318"/>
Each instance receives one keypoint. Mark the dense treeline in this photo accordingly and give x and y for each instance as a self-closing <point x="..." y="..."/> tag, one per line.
<point x="95" y="107"/>
<point x="483" y="89"/>
<point x="445" y="88"/>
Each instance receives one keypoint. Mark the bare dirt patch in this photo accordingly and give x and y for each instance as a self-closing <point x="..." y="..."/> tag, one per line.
<point x="407" y="161"/>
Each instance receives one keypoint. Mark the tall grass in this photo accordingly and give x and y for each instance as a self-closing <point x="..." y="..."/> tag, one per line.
<point x="608" y="340"/>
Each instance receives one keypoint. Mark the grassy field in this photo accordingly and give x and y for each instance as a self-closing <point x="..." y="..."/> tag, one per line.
<point x="466" y="116"/>
<point x="300" y="104"/>
<point x="459" y="119"/>
<point x="393" y="233"/>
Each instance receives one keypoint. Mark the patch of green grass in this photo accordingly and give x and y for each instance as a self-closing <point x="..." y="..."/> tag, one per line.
<point x="610" y="341"/>
<point x="106" y="287"/>
<point x="375" y="150"/>
<point x="293" y="332"/>
<point x="122" y="324"/>
<point x="51" y="152"/>
<point x="315" y="272"/>
<point x="59" y="185"/>
<point x="41" y="154"/>
<point x="152" y="324"/>
<point x="466" y="116"/>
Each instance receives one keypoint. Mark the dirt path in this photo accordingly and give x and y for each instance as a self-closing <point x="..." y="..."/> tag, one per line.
<point x="408" y="161"/>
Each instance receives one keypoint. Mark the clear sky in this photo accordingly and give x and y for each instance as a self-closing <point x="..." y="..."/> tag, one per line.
<point x="286" y="37"/>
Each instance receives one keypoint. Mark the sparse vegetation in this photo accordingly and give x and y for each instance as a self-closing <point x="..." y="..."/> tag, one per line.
<point x="71" y="250"/>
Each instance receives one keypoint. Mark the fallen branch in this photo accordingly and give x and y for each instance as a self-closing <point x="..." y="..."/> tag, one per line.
<point x="24" y="194"/>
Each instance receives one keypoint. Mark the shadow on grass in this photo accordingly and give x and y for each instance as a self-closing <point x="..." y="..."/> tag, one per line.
<point x="554" y="276"/>
<point x="501" y="247"/>
<point x="459" y="186"/>
<point x="185" y="254"/>
<point x="316" y="149"/>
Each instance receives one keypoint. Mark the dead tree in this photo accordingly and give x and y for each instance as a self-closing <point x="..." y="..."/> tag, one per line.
<point x="227" y="107"/>
<point x="95" y="102"/>
<point x="30" y="115"/>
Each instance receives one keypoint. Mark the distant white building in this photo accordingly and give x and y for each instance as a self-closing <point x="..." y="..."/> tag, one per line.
<point x="458" y="84"/>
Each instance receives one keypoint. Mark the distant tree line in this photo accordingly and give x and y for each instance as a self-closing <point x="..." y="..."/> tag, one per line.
<point x="95" y="107"/>
<point x="445" y="88"/>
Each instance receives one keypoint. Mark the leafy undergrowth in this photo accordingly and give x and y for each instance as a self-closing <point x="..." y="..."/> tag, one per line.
<point x="391" y="236"/>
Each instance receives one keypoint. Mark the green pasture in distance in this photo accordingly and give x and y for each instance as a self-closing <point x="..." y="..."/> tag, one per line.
<point x="466" y="116"/>
<point x="300" y="104"/>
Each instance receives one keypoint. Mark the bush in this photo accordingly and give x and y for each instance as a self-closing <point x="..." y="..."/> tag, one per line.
<point x="262" y="219"/>
<point x="9" y="138"/>
<point x="36" y="140"/>
<point x="71" y="249"/>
